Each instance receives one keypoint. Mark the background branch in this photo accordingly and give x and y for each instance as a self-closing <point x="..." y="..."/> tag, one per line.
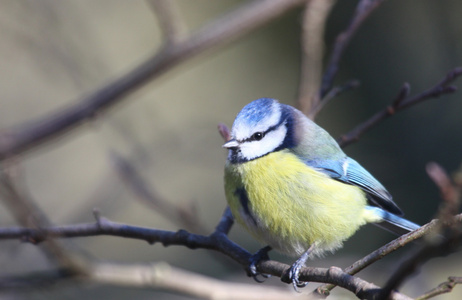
<point x="334" y="92"/>
<point x="409" y="265"/>
<point x="442" y="288"/>
<point x="449" y="227"/>
<point x="314" y="22"/>
<point x="167" y="277"/>
<point x="28" y="214"/>
<point x="185" y="215"/>
<point x="38" y="279"/>
<point x="170" y="20"/>
<point x="363" y="10"/>
<point x="401" y="102"/>
<point x="450" y="192"/>
<point x="222" y="31"/>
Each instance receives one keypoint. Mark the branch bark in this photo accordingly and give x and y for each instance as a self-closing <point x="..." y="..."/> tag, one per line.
<point x="220" y="242"/>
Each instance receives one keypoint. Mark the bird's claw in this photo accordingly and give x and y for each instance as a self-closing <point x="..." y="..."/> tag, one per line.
<point x="252" y="272"/>
<point x="261" y="254"/>
<point x="294" y="274"/>
<point x="294" y="271"/>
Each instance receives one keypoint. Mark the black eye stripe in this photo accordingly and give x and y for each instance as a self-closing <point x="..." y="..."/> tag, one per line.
<point x="253" y="137"/>
<point x="257" y="136"/>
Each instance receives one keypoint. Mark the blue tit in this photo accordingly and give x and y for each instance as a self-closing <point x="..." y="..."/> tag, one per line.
<point x="290" y="185"/>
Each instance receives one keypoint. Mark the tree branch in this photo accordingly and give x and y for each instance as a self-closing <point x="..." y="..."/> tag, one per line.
<point x="324" y="290"/>
<point x="363" y="10"/>
<point x="222" y="31"/>
<point x="217" y="241"/>
<point x="401" y="102"/>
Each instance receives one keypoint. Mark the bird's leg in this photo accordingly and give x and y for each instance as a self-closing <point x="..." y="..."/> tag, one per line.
<point x="294" y="271"/>
<point x="260" y="255"/>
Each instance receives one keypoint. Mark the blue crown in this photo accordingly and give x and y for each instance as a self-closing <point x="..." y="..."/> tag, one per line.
<point x="256" y="111"/>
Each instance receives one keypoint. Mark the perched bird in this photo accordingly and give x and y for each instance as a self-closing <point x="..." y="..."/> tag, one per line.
<point x="290" y="185"/>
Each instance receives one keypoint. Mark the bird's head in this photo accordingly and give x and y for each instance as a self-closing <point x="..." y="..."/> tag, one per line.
<point x="261" y="127"/>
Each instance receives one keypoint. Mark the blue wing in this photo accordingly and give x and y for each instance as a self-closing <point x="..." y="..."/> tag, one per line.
<point x="351" y="172"/>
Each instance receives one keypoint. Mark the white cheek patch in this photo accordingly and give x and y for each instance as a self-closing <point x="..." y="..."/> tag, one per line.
<point x="269" y="143"/>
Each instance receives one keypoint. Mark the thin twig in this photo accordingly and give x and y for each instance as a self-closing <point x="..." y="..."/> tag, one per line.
<point x="380" y="253"/>
<point x="314" y="21"/>
<point x="401" y="102"/>
<point x="442" y="288"/>
<point x="363" y="10"/>
<point x="352" y="84"/>
<point x="219" y="32"/>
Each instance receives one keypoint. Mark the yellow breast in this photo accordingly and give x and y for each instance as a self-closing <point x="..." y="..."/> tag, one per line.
<point x="292" y="205"/>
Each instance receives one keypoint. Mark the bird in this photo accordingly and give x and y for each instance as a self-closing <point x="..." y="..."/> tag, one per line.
<point x="290" y="185"/>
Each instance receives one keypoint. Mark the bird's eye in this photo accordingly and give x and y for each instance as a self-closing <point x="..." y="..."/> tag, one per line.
<point x="258" y="136"/>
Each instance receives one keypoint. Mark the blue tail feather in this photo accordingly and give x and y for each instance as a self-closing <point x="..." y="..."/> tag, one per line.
<point x="392" y="222"/>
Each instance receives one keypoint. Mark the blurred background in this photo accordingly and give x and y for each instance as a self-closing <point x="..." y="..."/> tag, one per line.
<point x="53" y="53"/>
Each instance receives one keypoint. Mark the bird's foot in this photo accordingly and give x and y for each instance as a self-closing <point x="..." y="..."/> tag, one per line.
<point x="261" y="254"/>
<point x="294" y="274"/>
<point x="294" y="271"/>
